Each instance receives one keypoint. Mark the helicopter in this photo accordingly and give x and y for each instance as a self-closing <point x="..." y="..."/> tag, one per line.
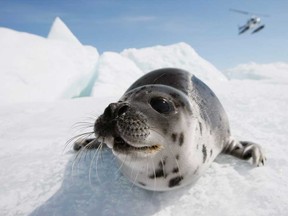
<point x="254" y="22"/>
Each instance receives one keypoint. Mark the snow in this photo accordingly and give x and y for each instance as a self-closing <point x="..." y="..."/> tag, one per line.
<point x="129" y="65"/>
<point x="40" y="175"/>
<point x="114" y="74"/>
<point x="179" y="55"/>
<point x="34" y="68"/>
<point x="272" y="72"/>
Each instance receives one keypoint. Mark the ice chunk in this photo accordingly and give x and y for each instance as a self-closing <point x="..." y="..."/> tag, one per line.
<point x="59" y="31"/>
<point x="115" y="74"/>
<point x="34" y="68"/>
<point x="179" y="55"/>
<point x="272" y="72"/>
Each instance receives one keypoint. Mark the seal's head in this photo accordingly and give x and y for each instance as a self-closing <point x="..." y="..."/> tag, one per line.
<point x="149" y="129"/>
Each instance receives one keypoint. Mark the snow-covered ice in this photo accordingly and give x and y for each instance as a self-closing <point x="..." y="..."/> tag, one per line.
<point x="34" y="163"/>
<point x="34" y="68"/>
<point x="114" y="74"/>
<point x="272" y="72"/>
<point x="40" y="176"/>
<point x="59" y="31"/>
<point x="179" y="55"/>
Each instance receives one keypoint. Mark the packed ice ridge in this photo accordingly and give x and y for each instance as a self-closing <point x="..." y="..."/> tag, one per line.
<point x="34" y="68"/>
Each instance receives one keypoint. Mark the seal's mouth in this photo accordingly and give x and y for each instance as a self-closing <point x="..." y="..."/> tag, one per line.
<point x="121" y="146"/>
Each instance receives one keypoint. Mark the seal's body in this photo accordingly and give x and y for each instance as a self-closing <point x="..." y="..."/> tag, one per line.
<point x="167" y="129"/>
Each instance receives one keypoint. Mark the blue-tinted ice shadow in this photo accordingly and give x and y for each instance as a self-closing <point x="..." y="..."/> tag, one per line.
<point x="105" y="192"/>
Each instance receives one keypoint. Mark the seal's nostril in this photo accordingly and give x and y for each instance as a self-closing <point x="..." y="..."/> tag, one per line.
<point x="122" y="110"/>
<point x="108" y="112"/>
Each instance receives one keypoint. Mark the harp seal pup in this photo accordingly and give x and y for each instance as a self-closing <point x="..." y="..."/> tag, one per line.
<point x="167" y="129"/>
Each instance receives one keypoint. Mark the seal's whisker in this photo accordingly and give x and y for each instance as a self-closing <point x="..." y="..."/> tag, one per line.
<point x="83" y="128"/>
<point x="99" y="151"/>
<point x="159" y="133"/>
<point x="136" y="176"/>
<point x="91" y="164"/>
<point x="91" y="116"/>
<point x="163" y="165"/>
<point x="122" y="163"/>
<point x="83" y="125"/>
<point x="154" y="173"/>
<point x="135" y="179"/>
<point x="81" y="151"/>
<point x="147" y="167"/>
<point x="78" y="138"/>
<point x="176" y="160"/>
<point x="76" y="160"/>
<point x="77" y="124"/>
<point x="102" y="143"/>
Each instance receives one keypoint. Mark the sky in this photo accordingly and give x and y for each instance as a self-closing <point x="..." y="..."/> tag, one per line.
<point x="208" y="26"/>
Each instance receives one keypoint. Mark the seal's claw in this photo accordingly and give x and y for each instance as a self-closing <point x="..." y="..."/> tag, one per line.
<point x="246" y="150"/>
<point x="255" y="151"/>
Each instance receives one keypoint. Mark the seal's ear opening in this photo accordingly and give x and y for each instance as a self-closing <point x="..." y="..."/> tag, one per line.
<point x="161" y="105"/>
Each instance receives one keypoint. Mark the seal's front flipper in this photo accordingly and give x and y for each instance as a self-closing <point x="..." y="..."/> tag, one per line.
<point x="86" y="144"/>
<point x="246" y="150"/>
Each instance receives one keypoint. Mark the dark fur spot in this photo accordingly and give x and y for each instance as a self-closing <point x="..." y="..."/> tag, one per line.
<point x="141" y="183"/>
<point x="159" y="173"/>
<point x="175" y="181"/>
<point x="162" y="163"/>
<point x="181" y="139"/>
<point x="174" y="137"/>
<point x="177" y="157"/>
<point x="204" y="151"/>
<point x="211" y="152"/>
<point x="200" y="127"/>
<point x="175" y="170"/>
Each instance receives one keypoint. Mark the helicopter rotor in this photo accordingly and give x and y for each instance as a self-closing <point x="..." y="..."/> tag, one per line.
<point x="248" y="13"/>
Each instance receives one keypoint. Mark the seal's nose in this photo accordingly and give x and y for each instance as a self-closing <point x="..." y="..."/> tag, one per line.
<point x="109" y="111"/>
<point x="122" y="109"/>
<point x="115" y="109"/>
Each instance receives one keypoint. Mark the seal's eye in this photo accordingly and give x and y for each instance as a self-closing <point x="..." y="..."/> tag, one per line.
<point x="161" y="105"/>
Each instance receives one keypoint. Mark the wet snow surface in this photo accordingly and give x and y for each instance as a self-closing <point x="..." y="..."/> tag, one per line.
<point x="40" y="175"/>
